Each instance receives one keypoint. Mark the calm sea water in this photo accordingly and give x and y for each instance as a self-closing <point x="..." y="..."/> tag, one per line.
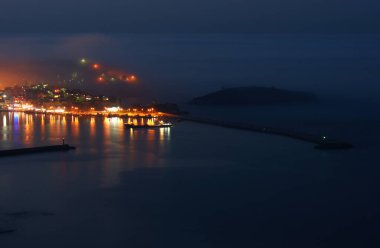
<point x="190" y="186"/>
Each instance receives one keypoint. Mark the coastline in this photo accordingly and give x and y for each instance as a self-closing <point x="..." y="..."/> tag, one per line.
<point x="320" y="141"/>
<point x="90" y="113"/>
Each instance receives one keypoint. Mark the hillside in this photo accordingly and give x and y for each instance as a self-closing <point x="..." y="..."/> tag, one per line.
<point x="253" y="96"/>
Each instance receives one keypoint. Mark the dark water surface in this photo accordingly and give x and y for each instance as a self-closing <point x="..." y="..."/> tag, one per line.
<point x="189" y="186"/>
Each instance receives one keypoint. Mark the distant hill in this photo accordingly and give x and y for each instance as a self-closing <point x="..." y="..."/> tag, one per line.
<point x="253" y="96"/>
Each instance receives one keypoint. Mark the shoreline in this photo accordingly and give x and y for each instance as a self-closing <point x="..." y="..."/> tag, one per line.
<point x="321" y="142"/>
<point x="90" y="114"/>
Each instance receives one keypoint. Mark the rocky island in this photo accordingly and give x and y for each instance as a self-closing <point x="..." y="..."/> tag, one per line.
<point x="253" y="96"/>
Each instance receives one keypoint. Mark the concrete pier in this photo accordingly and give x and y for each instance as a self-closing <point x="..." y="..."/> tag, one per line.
<point x="32" y="150"/>
<point x="320" y="142"/>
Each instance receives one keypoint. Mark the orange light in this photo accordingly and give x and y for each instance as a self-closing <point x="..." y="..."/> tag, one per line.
<point x="95" y="66"/>
<point x="100" y="79"/>
<point x="131" y="78"/>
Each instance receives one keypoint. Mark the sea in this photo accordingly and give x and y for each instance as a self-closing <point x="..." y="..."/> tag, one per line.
<point x="196" y="185"/>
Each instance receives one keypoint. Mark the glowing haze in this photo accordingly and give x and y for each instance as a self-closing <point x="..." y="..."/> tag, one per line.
<point x="178" y="67"/>
<point x="55" y="60"/>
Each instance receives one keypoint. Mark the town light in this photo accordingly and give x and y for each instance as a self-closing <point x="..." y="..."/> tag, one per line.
<point x="131" y="78"/>
<point x="59" y="110"/>
<point x="113" y="109"/>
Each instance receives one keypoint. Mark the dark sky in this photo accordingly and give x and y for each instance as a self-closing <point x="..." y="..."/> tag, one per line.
<point x="180" y="66"/>
<point x="311" y="16"/>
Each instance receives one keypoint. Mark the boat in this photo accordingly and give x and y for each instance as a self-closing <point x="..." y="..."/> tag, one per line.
<point x="160" y="124"/>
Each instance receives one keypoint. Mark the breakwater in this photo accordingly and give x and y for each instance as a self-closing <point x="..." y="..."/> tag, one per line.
<point x="320" y="142"/>
<point x="32" y="150"/>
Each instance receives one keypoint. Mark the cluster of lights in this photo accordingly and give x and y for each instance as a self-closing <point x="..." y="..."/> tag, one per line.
<point x="113" y="109"/>
<point x="58" y="110"/>
<point x="29" y="107"/>
<point x="142" y="110"/>
<point x="108" y="75"/>
<point x="19" y="104"/>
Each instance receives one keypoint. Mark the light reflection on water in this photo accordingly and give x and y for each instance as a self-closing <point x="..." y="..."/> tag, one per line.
<point x="99" y="140"/>
<point x="33" y="129"/>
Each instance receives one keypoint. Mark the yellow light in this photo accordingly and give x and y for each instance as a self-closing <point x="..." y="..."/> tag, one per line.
<point x="59" y="111"/>
<point x="113" y="109"/>
<point x="27" y="106"/>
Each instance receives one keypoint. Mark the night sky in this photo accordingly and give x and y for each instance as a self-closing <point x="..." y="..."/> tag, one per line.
<point x="311" y="16"/>
<point x="180" y="49"/>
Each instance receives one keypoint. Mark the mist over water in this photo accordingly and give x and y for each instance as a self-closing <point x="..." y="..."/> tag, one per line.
<point x="177" y="67"/>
